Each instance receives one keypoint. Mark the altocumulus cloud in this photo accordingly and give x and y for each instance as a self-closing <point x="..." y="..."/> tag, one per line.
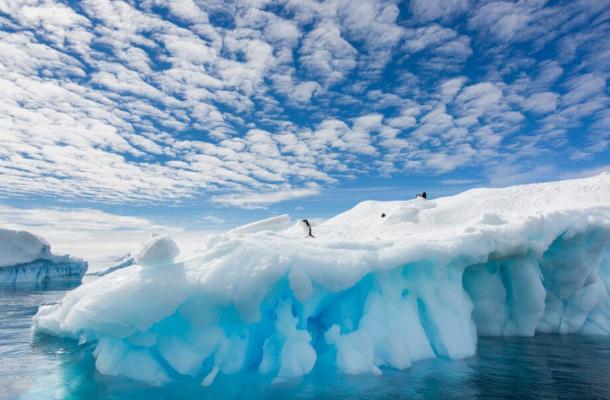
<point x="252" y="103"/>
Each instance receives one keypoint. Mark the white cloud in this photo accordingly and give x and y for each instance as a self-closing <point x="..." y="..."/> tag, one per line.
<point x="72" y="220"/>
<point x="187" y="10"/>
<point x="304" y="91"/>
<point x="326" y="54"/>
<point x="460" y="182"/>
<point x="446" y="49"/>
<point x="515" y="174"/>
<point x="116" y="103"/>
<point x="450" y="88"/>
<point x="541" y="102"/>
<point x="260" y="200"/>
<point x="427" y="10"/>
<point x="479" y="97"/>
<point x="213" y="219"/>
<point x="428" y="37"/>
<point x="506" y="20"/>
<point x="583" y="87"/>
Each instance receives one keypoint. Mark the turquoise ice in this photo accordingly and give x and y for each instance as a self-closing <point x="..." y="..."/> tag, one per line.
<point x="366" y="293"/>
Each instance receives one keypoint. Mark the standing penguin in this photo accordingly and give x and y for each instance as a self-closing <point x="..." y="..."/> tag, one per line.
<point x="307" y="228"/>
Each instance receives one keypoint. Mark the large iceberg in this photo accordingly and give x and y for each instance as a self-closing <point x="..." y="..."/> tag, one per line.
<point x="367" y="292"/>
<point x="26" y="258"/>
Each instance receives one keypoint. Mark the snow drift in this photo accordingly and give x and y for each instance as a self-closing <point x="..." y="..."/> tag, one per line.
<point x="368" y="292"/>
<point x="27" y="259"/>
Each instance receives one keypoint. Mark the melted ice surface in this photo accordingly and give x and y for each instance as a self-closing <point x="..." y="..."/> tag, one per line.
<point x="367" y="292"/>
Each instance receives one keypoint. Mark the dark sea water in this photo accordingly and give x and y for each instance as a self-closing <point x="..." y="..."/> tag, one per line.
<point x="544" y="367"/>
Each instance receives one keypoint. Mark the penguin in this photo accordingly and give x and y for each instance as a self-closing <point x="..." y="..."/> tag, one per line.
<point x="307" y="228"/>
<point x="422" y="195"/>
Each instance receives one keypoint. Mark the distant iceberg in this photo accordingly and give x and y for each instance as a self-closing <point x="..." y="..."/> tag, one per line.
<point x="123" y="262"/>
<point x="367" y="293"/>
<point x="26" y="258"/>
<point x="161" y="249"/>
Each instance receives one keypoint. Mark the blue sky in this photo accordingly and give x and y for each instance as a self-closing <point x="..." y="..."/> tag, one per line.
<point x="202" y="115"/>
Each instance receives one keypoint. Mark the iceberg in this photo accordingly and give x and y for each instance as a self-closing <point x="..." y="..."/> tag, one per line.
<point x="368" y="293"/>
<point x="124" y="261"/>
<point x="26" y="258"/>
<point x="161" y="249"/>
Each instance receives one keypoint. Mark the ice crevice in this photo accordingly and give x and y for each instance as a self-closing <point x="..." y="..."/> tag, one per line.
<point x="367" y="293"/>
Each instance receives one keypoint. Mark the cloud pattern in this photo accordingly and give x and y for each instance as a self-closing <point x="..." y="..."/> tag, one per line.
<point x="248" y="103"/>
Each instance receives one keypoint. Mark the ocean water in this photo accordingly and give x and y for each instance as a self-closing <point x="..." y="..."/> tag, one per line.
<point x="544" y="367"/>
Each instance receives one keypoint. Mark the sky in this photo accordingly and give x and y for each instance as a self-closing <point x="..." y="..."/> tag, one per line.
<point x="119" y="118"/>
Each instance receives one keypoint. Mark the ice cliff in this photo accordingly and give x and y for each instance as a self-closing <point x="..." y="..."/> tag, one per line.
<point x="368" y="292"/>
<point x="27" y="259"/>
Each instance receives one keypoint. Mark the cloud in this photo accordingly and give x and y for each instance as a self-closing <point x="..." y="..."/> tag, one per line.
<point x="427" y="10"/>
<point x="73" y="220"/>
<point x="585" y="173"/>
<point x="505" y="20"/>
<point x="326" y="55"/>
<point x="444" y="162"/>
<point x="445" y="48"/>
<point x="428" y="37"/>
<point x="166" y="102"/>
<point x="508" y="175"/>
<point x="541" y="102"/>
<point x="583" y="87"/>
<point x="213" y="219"/>
<point x="460" y="182"/>
<point x="260" y="200"/>
<point x="450" y="88"/>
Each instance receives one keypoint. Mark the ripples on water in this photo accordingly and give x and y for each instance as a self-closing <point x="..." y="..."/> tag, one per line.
<point x="544" y="367"/>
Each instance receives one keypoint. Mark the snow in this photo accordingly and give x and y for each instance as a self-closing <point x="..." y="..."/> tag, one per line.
<point x="26" y="258"/>
<point x="160" y="250"/>
<point x="270" y="224"/>
<point x="365" y="294"/>
<point x="19" y="247"/>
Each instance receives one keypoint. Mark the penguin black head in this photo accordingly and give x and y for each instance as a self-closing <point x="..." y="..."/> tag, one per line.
<point x="382" y="215"/>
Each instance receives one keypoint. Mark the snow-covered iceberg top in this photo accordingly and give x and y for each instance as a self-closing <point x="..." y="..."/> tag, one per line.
<point x="160" y="250"/>
<point x="20" y="247"/>
<point x="369" y="291"/>
<point x="27" y="258"/>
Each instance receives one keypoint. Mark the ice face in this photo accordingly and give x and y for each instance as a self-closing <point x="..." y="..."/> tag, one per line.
<point x="41" y="271"/>
<point x="27" y="259"/>
<point x="366" y="293"/>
